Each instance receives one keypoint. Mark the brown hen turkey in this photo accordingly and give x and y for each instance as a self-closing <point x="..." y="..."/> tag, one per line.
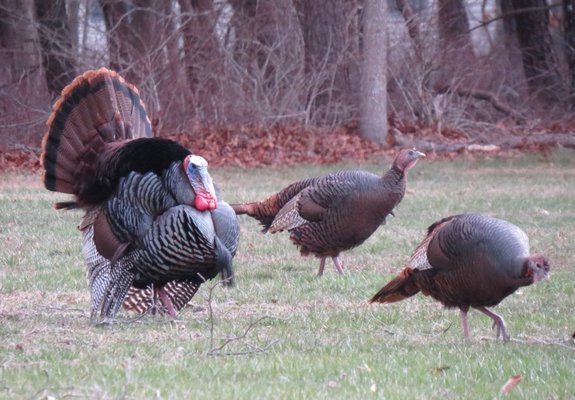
<point x="329" y="214"/>
<point x="469" y="261"/>
<point x="152" y="213"/>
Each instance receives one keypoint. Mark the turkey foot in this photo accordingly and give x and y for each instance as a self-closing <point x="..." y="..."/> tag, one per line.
<point x="498" y="323"/>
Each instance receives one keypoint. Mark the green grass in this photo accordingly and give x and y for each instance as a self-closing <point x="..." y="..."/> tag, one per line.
<point x="283" y="333"/>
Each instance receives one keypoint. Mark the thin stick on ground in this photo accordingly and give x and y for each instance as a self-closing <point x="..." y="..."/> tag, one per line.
<point x="216" y="351"/>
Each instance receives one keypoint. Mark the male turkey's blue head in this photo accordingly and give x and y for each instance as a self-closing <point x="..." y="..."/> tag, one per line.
<point x="196" y="168"/>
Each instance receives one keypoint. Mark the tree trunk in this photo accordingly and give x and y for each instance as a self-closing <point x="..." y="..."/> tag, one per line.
<point x="412" y="24"/>
<point x="330" y="34"/>
<point x="203" y="57"/>
<point x="531" y="20"/>
<point x="453" y="23"/>
<point x="135" y="36"/>
<point x="56" y="43"/>
<point x="456" y="49"/>
<point x="506" y="8"/>
<point x="24" y="100"/>
<point x="73" y="11"/>
<point x="18" y="38"/>
<point x="268" y="53"/>
<point x="116" y="17"/>
<point x="142" y="48"/>
<point x="374" y="72"/>
<point x="569" y="31"/>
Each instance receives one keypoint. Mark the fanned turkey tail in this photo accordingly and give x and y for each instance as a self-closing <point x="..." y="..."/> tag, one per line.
<point x="97" y="108"/>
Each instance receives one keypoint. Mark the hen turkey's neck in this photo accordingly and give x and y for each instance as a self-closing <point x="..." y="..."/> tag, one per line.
<point x="394" y="178"/>
<point x="388" y="192"/>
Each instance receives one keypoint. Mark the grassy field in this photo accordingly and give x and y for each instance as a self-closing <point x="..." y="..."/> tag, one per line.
<point x="282" y="332"/>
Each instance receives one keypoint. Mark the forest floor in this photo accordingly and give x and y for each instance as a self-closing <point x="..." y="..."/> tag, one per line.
<point x="254" y="146"/>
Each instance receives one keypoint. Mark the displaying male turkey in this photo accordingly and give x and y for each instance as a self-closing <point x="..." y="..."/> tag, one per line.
<point x="469" y="261"/>
<point x="336" y="212"/>
<point x="152" y="213"/>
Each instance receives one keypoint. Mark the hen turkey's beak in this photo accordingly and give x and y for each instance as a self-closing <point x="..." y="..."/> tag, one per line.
<point x="414" y="156"/>
<point x="540" y="274"/>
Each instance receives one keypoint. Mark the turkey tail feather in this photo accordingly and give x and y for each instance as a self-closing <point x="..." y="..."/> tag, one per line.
<point x="400" y="288"/>
<point x="242" y="208"/>
<point x="253" y="210"/>
<point x="98" y="107"/>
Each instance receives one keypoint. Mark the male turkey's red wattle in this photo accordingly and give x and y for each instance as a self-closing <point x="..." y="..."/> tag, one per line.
<point x="335" y="212"/>
<point x="468" y="261"/>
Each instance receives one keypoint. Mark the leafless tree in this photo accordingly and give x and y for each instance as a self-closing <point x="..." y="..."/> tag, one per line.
<point x="374" y="72"/>
<point x="265" y="61"/>
<point x="203" y="56"/>
<point x="23" y="91"/>
<point x="331" y="45"/>
<point x="456" y="50"/>
<point x="539" y="59"/>
<point x="323" y="63"/>
<point x="569" y="29"/>
<point x="56" y="43"/>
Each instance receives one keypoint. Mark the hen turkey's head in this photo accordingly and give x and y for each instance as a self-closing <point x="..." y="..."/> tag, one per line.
<point x="196" y="168"/>
<point x="537" y="266"/>
<point x="407" y="158"/>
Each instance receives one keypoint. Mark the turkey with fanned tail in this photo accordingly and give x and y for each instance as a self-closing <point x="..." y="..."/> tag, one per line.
<point x="329" y="214"/>
<point x="469" y="261"/>
<point x="152" y="215"/>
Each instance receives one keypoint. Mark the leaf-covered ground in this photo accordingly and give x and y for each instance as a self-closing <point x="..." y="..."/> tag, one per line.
<point x="249" y="146"/>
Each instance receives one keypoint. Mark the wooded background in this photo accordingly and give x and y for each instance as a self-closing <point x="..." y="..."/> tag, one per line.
<point x="476" y="67"/>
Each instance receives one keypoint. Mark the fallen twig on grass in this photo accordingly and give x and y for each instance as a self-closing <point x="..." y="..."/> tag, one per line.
<point x="216" y="351"/>
<point x="548" y="343"/>
<point x="254" y="349"/>
<point x="534" y="341"/>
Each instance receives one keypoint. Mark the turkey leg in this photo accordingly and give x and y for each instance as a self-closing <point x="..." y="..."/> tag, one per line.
<point x="498" y="323"/>
<point x="165" y="299"/>
<point x="336" y="262"/>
